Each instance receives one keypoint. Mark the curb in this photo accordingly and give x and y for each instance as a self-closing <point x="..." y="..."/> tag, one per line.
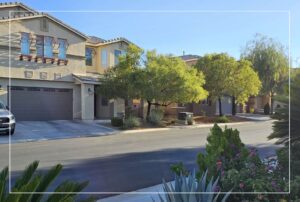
<point x="185" y="127"/>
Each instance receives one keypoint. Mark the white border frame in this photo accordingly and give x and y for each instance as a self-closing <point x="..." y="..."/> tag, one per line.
<point x="288" y="12"/>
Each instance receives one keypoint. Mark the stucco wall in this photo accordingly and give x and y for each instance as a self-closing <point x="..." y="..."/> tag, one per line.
<point x="87" y="102"/>
<point x="15" y="10"/>
<point x="97" y="59"/>
<point x="77" y="101"/>
<point x="103" y="111"/>
<point x="75" y="51"/>
<point x="114" y="107"/>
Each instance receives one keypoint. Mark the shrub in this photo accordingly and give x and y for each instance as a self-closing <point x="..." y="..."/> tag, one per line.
<point x="179" y="169"/>
<point x="267" y="109"/>
<point x="222" y="148"/>
<point x="116" y="121"/>
<point x="221" y="119"/>
<point x="31" y="181"/>
<point x="156" y="116"/>
<point x="238" y="167"/>
<point x="131" y="122"/>
<point x="188" y="186"/>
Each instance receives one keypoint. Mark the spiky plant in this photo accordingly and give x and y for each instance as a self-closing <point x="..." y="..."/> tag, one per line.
<point x="31" y="182"/>
<point x="188" y="188"/>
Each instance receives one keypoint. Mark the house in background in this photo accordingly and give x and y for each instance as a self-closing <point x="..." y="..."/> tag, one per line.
<point x="49" y="70"/>
<point x="190" y="60"/>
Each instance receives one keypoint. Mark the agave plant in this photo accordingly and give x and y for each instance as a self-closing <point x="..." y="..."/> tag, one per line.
<point x="188" y="188"/>
<point x="31" y="181"/>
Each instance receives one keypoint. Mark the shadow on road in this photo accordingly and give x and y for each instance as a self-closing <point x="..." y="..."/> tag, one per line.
<point x="132" y="171"/>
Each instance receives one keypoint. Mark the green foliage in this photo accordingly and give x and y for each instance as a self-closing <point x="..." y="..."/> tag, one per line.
<point x="244" y="82"/>
<point x="116" y="121"/>
<point x="238" y="167"/>
<point x="30" y="181"/>
<point x="167" y="79"/>
<point x="295" y="189"/>
<point x="119" y="81"/>
<point x="270" y="60"/>
<point x="222" y="147"/>
<point x="186" y="186"/>
<point x="159" y="79"/>
<point x="225" y="75"/>
<point x="156" y="116"/>
<point x="222" y="119"/>
<point x="217" y="69"/>
<point x="179" y="169"/>
<point x="281" y="132"/>
<point x="131" y="122"/>
<point x="267" y="109"/>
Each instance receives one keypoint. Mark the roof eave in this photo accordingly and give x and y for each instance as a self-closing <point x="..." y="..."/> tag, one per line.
<point x="26" y="17"/>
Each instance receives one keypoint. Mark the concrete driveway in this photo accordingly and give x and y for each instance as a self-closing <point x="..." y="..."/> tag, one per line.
<point x="27" y="131"/>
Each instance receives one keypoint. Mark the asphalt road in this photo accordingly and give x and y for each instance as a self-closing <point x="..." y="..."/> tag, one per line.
<point x="126" y="162"/>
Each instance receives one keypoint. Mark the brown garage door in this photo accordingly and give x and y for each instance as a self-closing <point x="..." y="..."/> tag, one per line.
<point x="41" y="104"/>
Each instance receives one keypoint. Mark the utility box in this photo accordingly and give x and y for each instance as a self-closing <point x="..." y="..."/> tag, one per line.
<point x="185" y="116"/>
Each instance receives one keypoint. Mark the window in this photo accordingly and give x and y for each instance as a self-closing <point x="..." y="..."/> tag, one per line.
<point x="25" y="44"/>
<point x="62" y="49"/>
<point x="104" y="101"/>
<point x="48" y="47"/>
<point x="88" y="57"/>
<point x="104" y="58"/>
<point x="44" y="46"/>
<point x="117" y="55"/>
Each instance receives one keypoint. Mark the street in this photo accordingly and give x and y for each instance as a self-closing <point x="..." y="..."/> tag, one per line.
<point x="127" y="162"/>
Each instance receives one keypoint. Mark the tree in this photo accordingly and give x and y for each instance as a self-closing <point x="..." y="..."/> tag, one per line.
<point x="245" y="82"/>
<point x="167" y="79"/>
<point x="270" y="61"/>
<point x="218" y="70"/>
<point x="281" y="128"/>
<point x="159" y="79"/>
<point x="118" y="81"/>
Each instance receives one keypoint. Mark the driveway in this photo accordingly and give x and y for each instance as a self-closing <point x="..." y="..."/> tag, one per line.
<point x="27" y="131"/>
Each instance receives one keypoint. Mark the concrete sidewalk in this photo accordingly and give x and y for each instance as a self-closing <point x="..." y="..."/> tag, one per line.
<point x="149" y="194"/>
<point x="255" y="117"/>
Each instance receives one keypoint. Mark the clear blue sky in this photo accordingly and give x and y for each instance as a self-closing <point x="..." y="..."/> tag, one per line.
<point x="194" y="33"/>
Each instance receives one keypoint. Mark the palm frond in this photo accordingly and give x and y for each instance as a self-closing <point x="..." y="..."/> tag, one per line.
<point x="47" y="179"/>
<point x="27" y="175"/>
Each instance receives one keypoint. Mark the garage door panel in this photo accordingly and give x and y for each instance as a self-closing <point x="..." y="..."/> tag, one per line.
<point x="41" y="104"/>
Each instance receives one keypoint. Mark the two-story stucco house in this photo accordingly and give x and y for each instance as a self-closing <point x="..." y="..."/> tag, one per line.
<point x="49" y="70"/>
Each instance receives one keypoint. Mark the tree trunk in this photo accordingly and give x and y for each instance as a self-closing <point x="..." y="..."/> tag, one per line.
<point x="272" y="103"/>
<point x="220" y="107"/>
<point x="233" y="112"/>
<point x="148" y="109"/>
